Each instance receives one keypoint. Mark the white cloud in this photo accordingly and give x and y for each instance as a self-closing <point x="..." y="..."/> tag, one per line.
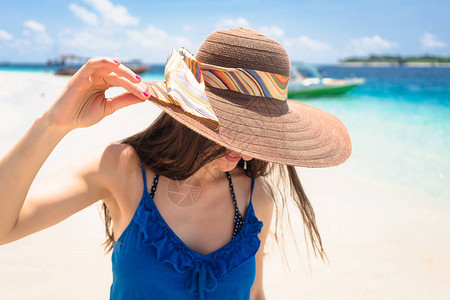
<point x="84" y="14"/>
<point x="34" y="26"/>
<point x="430" y="41"/>
<point x="272" y="31"/>
<point x="116" y="14"/>
<point x="189" y="28"/>
<point x="232" y="23"/>
<point x="155" y="44"/>
<point x="306" y="49"/>
<point x="306" y="43"/>
<point x="153" y="38"/>
<point x="106" y="34"/>
<point x="4" y="35"/>
<point x="369" y="45"/>
<point x="151" y="44"/>
<point x="89" y="41"/>
<point x="37" y="32"/>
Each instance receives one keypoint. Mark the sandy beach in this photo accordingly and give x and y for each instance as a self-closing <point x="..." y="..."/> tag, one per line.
<point x="383" y="241"/>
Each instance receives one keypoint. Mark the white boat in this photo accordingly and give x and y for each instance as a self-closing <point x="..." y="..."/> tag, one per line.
<point x="307" y="81"/>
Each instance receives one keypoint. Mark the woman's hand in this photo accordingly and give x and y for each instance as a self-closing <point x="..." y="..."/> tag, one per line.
<point x="82" y="103"/>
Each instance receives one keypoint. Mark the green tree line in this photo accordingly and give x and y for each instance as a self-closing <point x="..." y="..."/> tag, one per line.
<point x="398" y="59"/>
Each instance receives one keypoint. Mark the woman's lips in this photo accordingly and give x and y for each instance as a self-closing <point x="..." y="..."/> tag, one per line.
<point x="232" y="158"/>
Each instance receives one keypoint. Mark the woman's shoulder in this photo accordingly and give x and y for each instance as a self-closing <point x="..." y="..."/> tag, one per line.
<point x="118" y="161"/>
<point x="118" y="151"/>
<point x="121" y="171"/>
<point x="263" y="198"/>
<point x="262" y="191"/>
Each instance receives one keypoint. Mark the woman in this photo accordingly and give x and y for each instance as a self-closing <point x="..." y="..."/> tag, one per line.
<point x="187" y="204"/>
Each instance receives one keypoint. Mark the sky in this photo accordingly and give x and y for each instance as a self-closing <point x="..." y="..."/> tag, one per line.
<point x="311" y="31"/>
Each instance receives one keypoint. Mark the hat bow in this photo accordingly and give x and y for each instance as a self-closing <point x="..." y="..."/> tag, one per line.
<point x="185" y="80"/>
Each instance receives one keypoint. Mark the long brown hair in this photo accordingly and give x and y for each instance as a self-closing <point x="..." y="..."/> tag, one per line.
<point x="173" y="150"/>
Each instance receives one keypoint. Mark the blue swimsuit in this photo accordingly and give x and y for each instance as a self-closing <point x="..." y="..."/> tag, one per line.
<point x="150" y="261"/>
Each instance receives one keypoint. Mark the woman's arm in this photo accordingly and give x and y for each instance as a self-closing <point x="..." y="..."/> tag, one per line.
<point x="81" y="104"/>
<point x="263" y="204"/>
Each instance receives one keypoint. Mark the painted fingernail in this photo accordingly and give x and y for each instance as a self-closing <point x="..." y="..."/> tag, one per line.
<point x="146" y="94"/>
<point x="117" y="62"/>
<point x="138" y="77"/>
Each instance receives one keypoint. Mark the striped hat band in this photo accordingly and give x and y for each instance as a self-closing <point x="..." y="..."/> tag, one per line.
<point x="185" y="80"/>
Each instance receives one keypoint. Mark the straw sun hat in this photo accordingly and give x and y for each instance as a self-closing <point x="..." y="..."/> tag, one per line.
<point x="262" y="124"/>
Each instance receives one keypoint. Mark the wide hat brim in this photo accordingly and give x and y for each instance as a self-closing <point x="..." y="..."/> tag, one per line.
<point x="285" y="132"/>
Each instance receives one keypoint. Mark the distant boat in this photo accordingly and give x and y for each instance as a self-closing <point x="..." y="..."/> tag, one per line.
<point x="69" y="64"/>
<point x="136" y="66"/>
<point x="307" y="81"/>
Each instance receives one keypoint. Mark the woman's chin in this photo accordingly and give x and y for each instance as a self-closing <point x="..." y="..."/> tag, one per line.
<point x="228" y="166"/>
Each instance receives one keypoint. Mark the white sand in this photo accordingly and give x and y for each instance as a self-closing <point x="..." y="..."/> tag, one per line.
<point x="382" y="242"/>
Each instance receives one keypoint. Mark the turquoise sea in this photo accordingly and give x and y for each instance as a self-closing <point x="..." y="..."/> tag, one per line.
<point x="399" y="122"/>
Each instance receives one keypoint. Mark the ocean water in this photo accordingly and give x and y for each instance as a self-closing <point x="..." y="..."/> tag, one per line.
<point x="399" y="122"/>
